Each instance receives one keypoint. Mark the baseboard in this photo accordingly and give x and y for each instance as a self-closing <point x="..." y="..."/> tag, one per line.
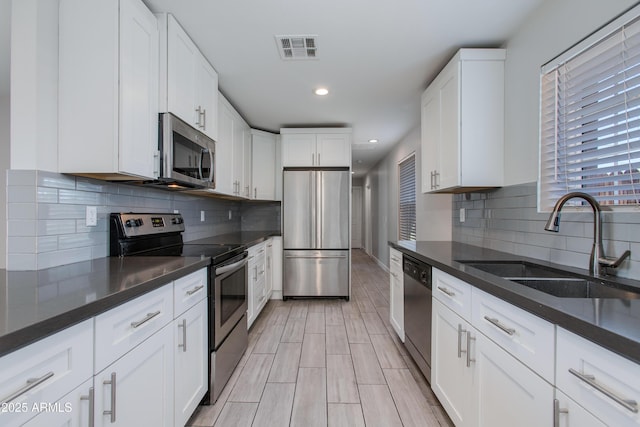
<point x="380" y="264"/>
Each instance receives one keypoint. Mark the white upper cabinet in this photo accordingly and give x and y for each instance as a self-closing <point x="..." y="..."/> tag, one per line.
<point x="264" y="165"/>
<point x="316" y="147"/>
<point x="233" y="160"/>
<point x="108" y="89"/>
<point x="189" y="84"/>
<point x="462" y="113"/>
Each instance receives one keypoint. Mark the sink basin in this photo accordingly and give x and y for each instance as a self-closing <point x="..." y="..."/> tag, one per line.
<point x="554" y="282"/>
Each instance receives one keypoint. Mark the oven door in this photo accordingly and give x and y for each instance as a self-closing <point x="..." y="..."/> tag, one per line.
<point x="230" y="296"/>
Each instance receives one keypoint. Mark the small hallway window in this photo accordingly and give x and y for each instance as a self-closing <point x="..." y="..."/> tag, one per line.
<point x="407" y="198"/>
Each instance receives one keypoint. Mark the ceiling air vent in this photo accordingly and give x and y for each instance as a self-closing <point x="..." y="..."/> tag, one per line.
<point x="297" y="47"/>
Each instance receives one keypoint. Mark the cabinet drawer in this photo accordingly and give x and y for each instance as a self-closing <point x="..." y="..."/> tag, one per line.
<point x="452" y="292"/>
<point x="124" y="327"/>
<point x="599" y="380"/>
<point x="189" y="290"/>
<point x="57" y="364"/>
<point x="527" y="337"/>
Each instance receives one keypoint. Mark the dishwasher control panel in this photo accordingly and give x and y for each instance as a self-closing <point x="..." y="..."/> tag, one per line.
<point x="417" y="270"/>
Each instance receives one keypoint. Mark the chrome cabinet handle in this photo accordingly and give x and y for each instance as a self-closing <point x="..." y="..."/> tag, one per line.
<point x="112" y="411"/>
<point x="395" y="259"/>
<point x="460" y="332"/>
<point x="431" y="177"/>
<point x="204" y="119"/>
<point x="629" y="404"/>
<point x="148" y="317"/>
<point x="156" y="163"/>
<point x="31" y="384"/>
<point x="183" y="325"/>
<point x="198" y="116"/>
<point x="255" y="192"/>
<point x="447" y="291"/>
<point x="318" y="159"/>
<point x="91" y="397"/>
<point x="194" y="290"/>
<point x="436" y="174"/>
<point x="556" y="412"/>
<point x="469" y="339"/>
<point x="497" y="324"/>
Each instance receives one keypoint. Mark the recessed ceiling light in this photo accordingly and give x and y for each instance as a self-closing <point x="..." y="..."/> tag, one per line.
<point x="321" y="91"/>
<point x="373" y="141"/>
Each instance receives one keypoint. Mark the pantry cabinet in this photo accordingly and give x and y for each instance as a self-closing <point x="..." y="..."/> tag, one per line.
<point x="188" y="84"/>
<point x="462" y="123"/>
<point x="108" y="90"/>
<point x="330" y="147"/>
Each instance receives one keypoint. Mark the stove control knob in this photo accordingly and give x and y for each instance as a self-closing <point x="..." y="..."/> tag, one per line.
<point x="176" y="221"/>
<point x="139" y="222"/>
<point x="129" y="223"/>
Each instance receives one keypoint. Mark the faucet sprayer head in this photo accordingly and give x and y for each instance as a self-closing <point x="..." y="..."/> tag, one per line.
<point x="553" y="223"/>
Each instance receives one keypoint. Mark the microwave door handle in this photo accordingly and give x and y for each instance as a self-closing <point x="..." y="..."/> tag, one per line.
<point x="200" y="164"/>
<point x="212" y="165"/>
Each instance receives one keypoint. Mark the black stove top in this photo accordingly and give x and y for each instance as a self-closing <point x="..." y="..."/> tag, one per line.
<point x="133" y="234"/>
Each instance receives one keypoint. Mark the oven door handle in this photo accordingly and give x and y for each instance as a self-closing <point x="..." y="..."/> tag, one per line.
<point x="226" y="268"/>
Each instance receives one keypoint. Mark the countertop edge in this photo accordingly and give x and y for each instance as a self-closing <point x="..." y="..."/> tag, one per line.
<point x="20" y="338"/>
<point x="616" y="343"/>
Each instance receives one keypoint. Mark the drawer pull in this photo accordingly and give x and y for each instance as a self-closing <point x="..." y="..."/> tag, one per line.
<point x="145" y="320"/>
<point x="469" y="339"/>
<point x="111" y="412"/>
<point x="497" y="324"/>
<point x="194" y="290"/>
<point x="183" y="325"/>
<point x="557" y="411"/>
<point x="629" y="404"/>
<point x="91" y="398"/>
<point x="31" y="383"/>
<point x="447" y="291"/>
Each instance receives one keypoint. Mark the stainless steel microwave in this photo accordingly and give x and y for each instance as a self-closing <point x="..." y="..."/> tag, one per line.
<point x="187" y="155"/>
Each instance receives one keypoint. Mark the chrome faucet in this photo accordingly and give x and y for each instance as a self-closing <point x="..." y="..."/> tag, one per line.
<point x="597" y="260"/>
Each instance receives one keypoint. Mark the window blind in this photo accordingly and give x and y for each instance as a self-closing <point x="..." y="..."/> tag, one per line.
<point x="407" y="199"/>
<point x="590" y="121"/>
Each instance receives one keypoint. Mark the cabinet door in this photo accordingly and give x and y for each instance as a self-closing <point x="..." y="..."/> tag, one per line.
<point x="183" y="58"/>
<point x="139" y="73"/>
<point x="430" y="129"/>
<point x="268" y="269"/>
<point x="225" y="182"/>
<point x="396" y="281"/>
<point x="276" y="267"/>
<point x="246" y="164"/>
<point x="298" y="150"/>
<point x="263" y="166"/>
<point x="238" y="154"/>
<point x="252" y="268"/>
<point x="191" y="350"/>
<point x="143" y="391"/>
<point x="333" y="150"/>
<point x="570" y="414"/>
<point x="206" y="82"/>
<point x="450" y="377"/>
<point x="70" y="411"/>
<point x="449" y="147"/>
<point x="506" y="392"/>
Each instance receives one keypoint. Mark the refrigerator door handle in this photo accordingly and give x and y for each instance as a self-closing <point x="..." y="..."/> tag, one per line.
<point x="314" y="214"/>
<point x="319" y="189"/>
<point x="316" y="257"/>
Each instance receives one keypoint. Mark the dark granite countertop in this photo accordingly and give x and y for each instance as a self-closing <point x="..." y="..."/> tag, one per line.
<point x="611" y="323"/>
<point x="35" y="304"/>
<point x="243" y="238"/>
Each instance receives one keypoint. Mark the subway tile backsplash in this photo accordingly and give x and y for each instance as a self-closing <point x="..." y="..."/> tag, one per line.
<point x="46" y="216"/>
<point x="507" y="220"/>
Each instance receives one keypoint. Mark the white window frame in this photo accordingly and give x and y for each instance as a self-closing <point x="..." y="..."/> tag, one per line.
<point x="411" y="156"/>
<point x="546" y="188"/>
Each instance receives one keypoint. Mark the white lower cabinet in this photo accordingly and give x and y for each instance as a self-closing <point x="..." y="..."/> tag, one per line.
<point x="190" y="347"/>
<point x="396" y="292"/>
<point x="505" y="392"/>
<point x="44" y="372"/>
<point x="73" y="410"/>
<point x="451" y="380"/>
<point x="137" y="389"/>
<point x="603" y="383"/>
<point x="570" y="414"/>
<point x="256" y="297"/>
<point x="480" y="379"/>
<point x="275" y="267"/>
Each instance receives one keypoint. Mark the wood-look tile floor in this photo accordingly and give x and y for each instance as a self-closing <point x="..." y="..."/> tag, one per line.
<point x="324" y="362"/>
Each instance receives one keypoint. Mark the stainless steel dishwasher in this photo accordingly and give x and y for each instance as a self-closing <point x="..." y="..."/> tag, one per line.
<point x="417" y="312"/>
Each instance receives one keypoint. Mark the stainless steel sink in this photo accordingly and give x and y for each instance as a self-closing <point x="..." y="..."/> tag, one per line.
<point x="553" y="281"/>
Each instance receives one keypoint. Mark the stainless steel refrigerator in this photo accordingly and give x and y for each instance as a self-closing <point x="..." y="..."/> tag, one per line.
<point x="316" y="232"/>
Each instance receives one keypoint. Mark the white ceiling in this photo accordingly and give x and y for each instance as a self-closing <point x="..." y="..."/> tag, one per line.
<point x="375" y="56"/>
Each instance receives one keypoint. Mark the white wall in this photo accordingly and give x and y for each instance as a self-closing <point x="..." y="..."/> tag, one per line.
<point x="433" y="211"/>
<point x="551" y="29"/>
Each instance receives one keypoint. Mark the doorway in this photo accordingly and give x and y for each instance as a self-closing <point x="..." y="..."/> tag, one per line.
<point x="356" y="217"/>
